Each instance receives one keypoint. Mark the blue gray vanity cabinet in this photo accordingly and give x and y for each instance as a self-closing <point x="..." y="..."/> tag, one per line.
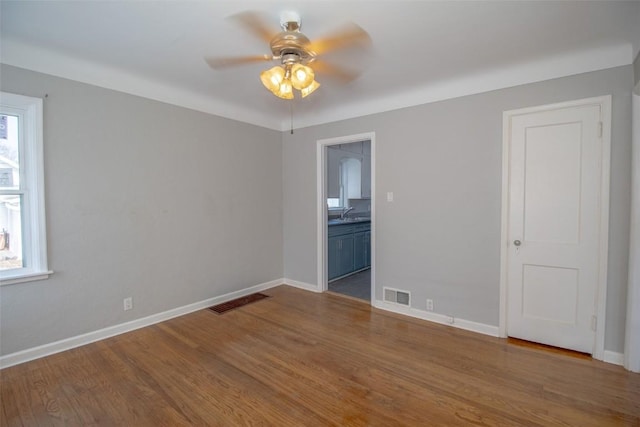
<point x="367" y="248"/>
<point x="362" y="250"/>
<point x="333" y="248"/>
<point x="340" y="250"/>
<point x="348" y="248"/>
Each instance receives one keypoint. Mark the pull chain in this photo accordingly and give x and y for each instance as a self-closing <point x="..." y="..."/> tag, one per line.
<point x="291" y="111"/>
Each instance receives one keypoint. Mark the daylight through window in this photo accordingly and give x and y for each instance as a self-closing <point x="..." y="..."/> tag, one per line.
<point x="22" y="223"/>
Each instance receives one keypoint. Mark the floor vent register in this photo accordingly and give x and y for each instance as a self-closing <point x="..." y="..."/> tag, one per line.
<point x="238" y="302"/>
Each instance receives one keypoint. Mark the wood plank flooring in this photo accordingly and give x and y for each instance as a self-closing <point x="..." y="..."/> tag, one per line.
<point x="305" y="359"/>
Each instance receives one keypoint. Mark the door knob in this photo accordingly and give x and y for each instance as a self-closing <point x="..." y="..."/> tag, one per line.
<point x="517" y="242"/>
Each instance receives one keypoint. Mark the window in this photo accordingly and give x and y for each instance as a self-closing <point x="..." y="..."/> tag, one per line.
<point x="23" y="245"/>
<point x="350" y="182"/>
<point x="333" y="202"/>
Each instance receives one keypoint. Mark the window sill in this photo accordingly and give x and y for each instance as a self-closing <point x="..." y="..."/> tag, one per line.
<point x="25" y="277"/>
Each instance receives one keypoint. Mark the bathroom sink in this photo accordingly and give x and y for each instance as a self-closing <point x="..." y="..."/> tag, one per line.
<point x="348" y="220"/>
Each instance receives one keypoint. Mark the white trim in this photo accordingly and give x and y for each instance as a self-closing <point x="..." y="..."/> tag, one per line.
<point x="29" y="56"/>
<point x="25" y="55"/>
<point x="80" y="340"/>
<point x="613" y="357"/>
<point x="442" y="319"/>
<point x="302" y="285"/>
<point x="605" y="183"/>
<point x="321" y="191"/>
<point x="372" y="239"/>
<point x="568" y="64"/>
<point x="605" y="107"/>
<point x="565" y="65"/>
<point x="34" y="234"/>
<point x="22" y="278"/>
<point x="632" y="329"/>
<point x="321" y="222"/>
<point x="468" y="325"/>
<point x="90" y="337"/>
<point x="504" y="225"/>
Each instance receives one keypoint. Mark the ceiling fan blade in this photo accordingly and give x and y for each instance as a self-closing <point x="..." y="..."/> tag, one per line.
<point x="335" y="71"/>
<point x="219" y="63"/>
<point x="256" y="24"/>
<point x="348" y="36"/>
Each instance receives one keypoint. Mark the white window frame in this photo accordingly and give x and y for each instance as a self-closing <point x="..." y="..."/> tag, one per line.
<point x="34" y="235"/>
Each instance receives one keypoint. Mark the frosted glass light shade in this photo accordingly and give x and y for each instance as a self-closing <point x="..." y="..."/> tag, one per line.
<point x="309" y="89"/>
<point x="284" y="91"/>
<point x="281" y="81"/>
<point x="301" y="76"/>
<point x="272" y="78"/>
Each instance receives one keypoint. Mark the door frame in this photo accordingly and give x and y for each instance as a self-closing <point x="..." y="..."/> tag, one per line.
<point x="321" y="222"/>
<point x="632" y="331"/>
<point x="601" y="293"/>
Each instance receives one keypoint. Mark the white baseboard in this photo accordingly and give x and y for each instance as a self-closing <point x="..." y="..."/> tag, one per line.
<point x="609" y="356"/>
<point x="613" y="357"/>
<point x="80" y="340"/>
<point x="456" y="322"/>
<point x="302" y="285"/>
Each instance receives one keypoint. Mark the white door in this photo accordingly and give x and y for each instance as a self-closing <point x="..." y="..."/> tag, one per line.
<point x="555" y="221"/>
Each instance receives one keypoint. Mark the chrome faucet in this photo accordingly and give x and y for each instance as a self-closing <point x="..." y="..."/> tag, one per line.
<point x="345" y="212"/>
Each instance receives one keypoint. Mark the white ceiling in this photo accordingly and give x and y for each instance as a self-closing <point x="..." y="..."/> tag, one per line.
<point x="423" y="51"/>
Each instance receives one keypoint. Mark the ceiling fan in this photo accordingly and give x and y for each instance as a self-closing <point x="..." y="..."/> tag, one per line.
<point x="298" y="57"/>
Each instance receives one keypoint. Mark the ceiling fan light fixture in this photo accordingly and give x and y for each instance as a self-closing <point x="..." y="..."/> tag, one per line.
<point x="285" y="91"/>
<point x="295" y="52"/>
<point x="272" y="78"/>
<point x="309" y="89"/>
<point x="301" y="76"/>
<point x="281" y="81"/>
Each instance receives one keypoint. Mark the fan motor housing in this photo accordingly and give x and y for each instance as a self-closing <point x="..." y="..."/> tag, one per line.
<point x="292" y="42"/>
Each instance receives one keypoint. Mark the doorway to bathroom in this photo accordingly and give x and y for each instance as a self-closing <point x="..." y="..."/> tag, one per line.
<point x="346" y="215"/>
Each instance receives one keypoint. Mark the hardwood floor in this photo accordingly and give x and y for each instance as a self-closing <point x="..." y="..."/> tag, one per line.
<point x="305" y="359"/>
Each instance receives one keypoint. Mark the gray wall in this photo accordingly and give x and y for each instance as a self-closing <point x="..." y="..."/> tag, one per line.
<point x="143" y="199"/>
<point x="636" y="72"/>
<point x="440" y="238"/>
<point x="161" y="203"/>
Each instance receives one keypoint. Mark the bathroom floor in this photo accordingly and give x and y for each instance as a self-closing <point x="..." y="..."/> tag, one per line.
<point x="357" y="285"/>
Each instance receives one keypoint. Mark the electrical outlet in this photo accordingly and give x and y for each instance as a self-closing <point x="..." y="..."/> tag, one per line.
<point x="128" y="303"/>
<point x="450" y="320"/>
<point x="429" y="305"/>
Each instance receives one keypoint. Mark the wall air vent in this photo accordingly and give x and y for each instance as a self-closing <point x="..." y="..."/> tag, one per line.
<point x="397" y="296"/>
